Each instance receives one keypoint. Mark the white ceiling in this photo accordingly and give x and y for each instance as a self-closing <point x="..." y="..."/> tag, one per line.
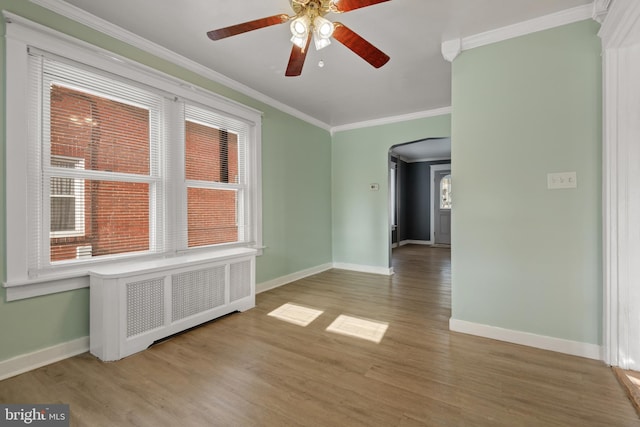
<point x="346" y="90"/>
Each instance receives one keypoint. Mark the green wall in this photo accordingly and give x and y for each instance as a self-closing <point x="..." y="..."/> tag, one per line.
<point x="523" y="257"/>
<point x="361" y="216"/>
<point x="296" y="199"/>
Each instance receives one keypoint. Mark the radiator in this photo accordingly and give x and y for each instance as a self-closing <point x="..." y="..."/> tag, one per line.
<point x="133" y="305"/>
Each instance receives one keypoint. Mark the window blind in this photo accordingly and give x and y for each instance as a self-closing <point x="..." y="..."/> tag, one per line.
<point x="99" y="171"/>
<point x="217" y="201"/>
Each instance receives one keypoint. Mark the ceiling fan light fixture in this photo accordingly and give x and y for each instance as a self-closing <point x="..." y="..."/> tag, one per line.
<point x="308" y="22"/>
<point x="321" y="43"/>
<point x="323" y="28"/>
<point x="300" y="27"/>
<point x="301" y="42"/>
<point x="322" y="31"/>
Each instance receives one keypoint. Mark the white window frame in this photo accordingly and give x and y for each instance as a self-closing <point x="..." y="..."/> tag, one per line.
<point x="21" y="34"/>
<point x="240" y="188"/>
<point x="153" y="103"/>
<point x="78" y="194"/>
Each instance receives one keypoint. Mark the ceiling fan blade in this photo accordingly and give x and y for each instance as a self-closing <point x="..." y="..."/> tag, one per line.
<point x="233" y="30"/>
<point x="360" y="46"/>
<point x="347" y="5"/>
<point x="296" y="60"/>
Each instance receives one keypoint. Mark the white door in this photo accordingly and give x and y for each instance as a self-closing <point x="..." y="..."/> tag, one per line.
<point x="442" y="207"/>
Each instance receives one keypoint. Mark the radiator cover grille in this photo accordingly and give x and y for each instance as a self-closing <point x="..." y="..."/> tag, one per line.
<point x="196" y="291"/>
<point x="240" y="277"/>
<point x="145" y="305"/>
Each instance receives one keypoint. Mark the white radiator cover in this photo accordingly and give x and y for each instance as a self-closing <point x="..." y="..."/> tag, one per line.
<point x="134" y="304"/>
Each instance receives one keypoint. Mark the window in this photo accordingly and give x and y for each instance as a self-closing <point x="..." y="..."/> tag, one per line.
<point x="216" y="181"/>
<point x="120" y="162"/>
<point x="115" y="200"/>
<point x="445" y="192"/>
<point x="67" y="200"/>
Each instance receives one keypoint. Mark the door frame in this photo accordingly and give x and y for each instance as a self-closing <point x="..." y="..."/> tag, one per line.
<point x="432" y="173"/>
<point x="620" y="34"/>
<point x="393" y="202"/>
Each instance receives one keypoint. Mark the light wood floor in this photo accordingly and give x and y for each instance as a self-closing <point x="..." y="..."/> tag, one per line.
<point x="252" y="369"/>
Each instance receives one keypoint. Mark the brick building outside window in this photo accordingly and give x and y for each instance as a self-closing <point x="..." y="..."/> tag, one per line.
<point x="111" y="136"/>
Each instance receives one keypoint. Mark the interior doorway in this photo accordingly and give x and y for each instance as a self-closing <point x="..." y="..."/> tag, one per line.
<point x="411" y="189"/>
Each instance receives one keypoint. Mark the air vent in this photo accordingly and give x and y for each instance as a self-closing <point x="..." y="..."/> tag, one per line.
<point x="83" y="252"/>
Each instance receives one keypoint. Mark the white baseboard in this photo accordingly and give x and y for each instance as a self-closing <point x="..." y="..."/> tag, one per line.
<point x="416" y="242"/>
<point x="281" y="281"/>
<point x="27" y="362"/>
<point x="364" y="268"/>
<point x="575" y="348"/>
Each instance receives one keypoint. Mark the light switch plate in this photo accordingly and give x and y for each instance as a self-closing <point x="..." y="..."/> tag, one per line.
<point x="562" y="180"/>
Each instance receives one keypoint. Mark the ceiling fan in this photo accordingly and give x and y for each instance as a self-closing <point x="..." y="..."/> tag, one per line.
<point x="309" y="22"/>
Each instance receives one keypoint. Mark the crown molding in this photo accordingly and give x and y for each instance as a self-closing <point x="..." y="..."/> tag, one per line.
<point x="620" y="28"/>
<point x="451" y="49"/>
<point x="545" y="22"/>
<point x="394" y="119"/>
<point x="600" y="10"/>
<point x="105" y="27"/>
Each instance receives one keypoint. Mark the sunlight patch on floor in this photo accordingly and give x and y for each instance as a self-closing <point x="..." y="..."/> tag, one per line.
<point x="296" y="314"/>
<point x="635" y="381"/>
<point x="369" y="330"/>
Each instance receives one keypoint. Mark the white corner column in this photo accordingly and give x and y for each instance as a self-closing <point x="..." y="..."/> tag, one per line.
<point x="620" y="34"/>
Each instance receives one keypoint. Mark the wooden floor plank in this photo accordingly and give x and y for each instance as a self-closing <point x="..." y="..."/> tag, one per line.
<point x="251" y="369"/>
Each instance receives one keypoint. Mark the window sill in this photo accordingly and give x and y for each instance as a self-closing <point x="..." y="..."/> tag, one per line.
<point x="66" y="234"/>
<point x="50" y="284"/>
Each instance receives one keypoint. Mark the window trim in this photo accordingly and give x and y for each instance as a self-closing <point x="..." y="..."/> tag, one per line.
<point x="21" y="34"/>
